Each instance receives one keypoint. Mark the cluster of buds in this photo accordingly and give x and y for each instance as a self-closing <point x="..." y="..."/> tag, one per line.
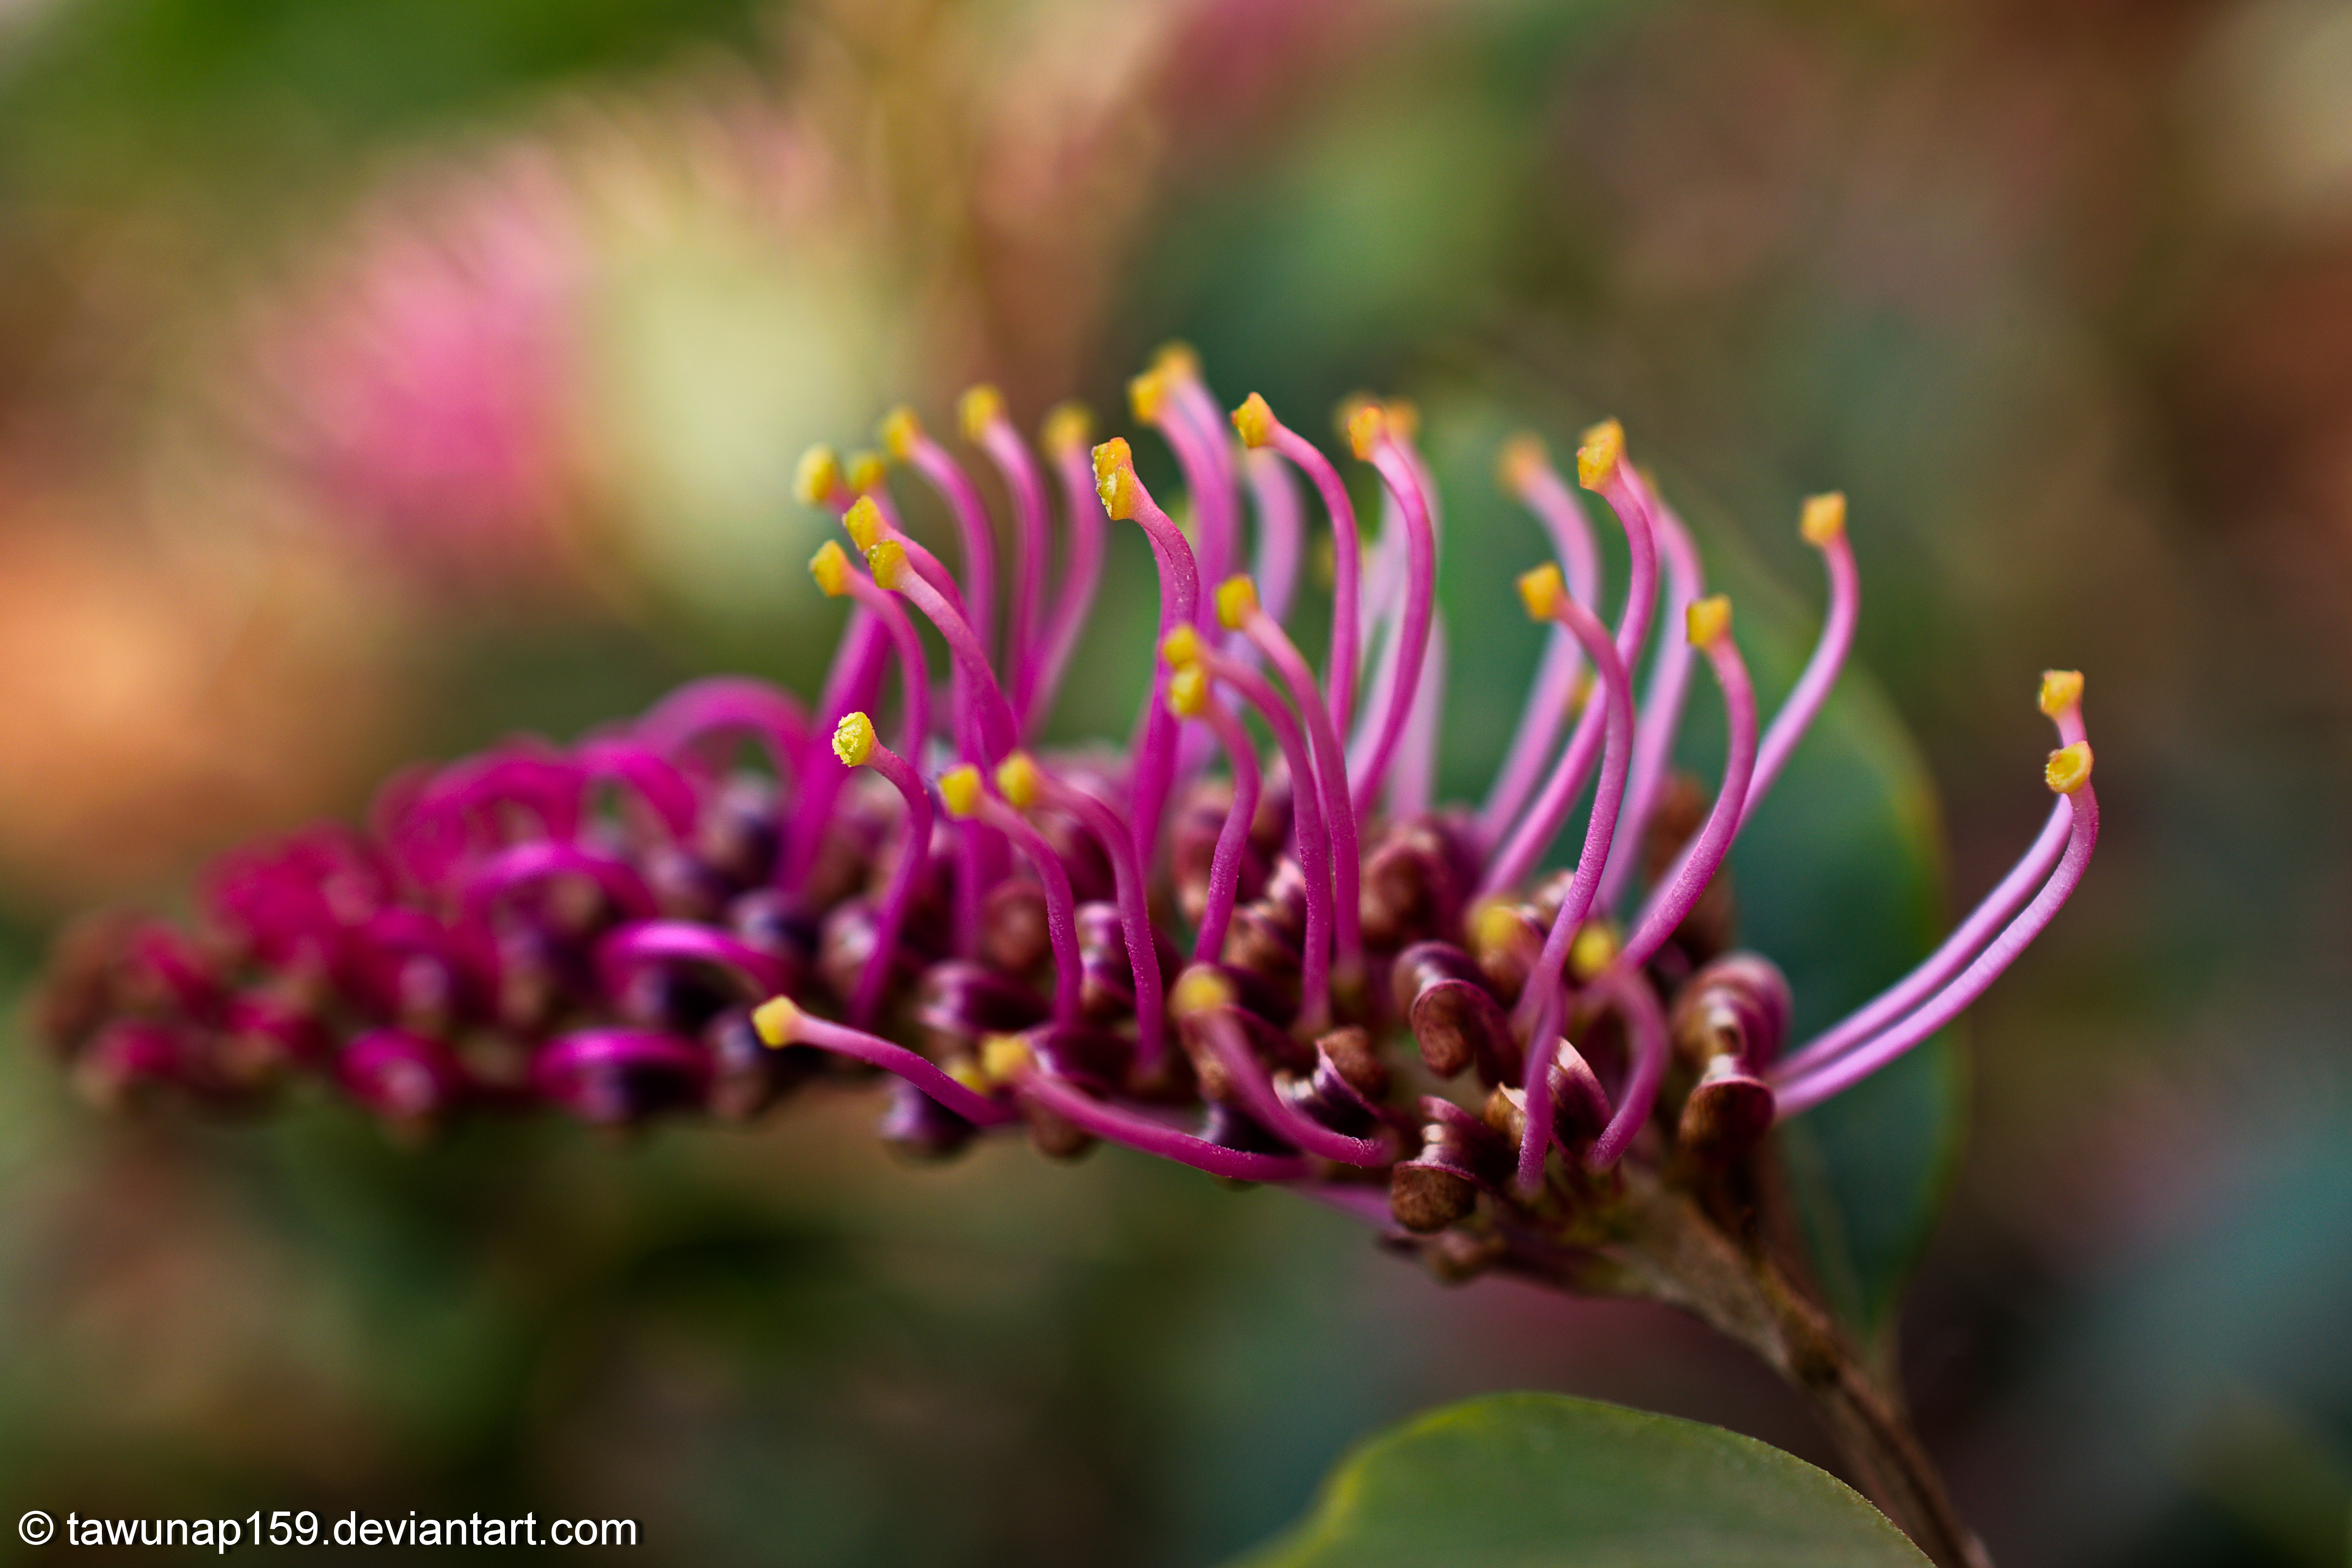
<point x="1250" y="942"/>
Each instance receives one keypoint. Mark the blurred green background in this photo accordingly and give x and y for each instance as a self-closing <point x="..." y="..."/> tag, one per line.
<point x="377" y="379"/>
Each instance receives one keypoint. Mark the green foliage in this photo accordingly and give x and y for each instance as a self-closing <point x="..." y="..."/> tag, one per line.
<point x="1526" y="1479"/>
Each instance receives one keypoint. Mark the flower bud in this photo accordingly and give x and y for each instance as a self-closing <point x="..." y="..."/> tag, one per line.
<point x="1454" y="1018"/>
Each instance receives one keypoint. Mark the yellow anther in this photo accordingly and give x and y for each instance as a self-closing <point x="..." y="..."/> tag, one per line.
<point x="1541" y="590"/>
<point x="2069" y="768"/>
<point x="1004" y="1057"/>
<point x="1197" y="990"/>
<point x="1823" y="518"/>
<point x="853" y="739"/>
<point x="980" y="407"/>
<point x="775" y="1019"/>
<point x="1495" y="928"/>
<point x="887" y="562"/>
<point x="1180" y="647"/>
<point x="1188" y="691"/>
<point x="960" y="789"/>
<point x="898" y="432"/>
<point x="1403" y="417"/>
<point x="1344" y="412"/>
<point x="1523" y="457"/>
<point x="1018" y="780"/>
<point x="1254" y="422"/>
<point x="1366" y="425"/>
<point x="1069" y="425"/>
<point x="867" y="471"/>
<point x="1147" y="395"/>
<point x="1592" y="949"/>
<point x="1112" y="455"/>
<point x="972" y="1075"/>
<point x="817" y="477"/>
<point x="1115" y="478"/>
<point x="862" y="522"/>
<point x="2061" y="690"/>
<point x="1176" y="359"/>
<point x="1708" y="619"/>
<point x="830" y="567"/>
<point x="1236" y="601"/>
<point x="1597" y="457"/>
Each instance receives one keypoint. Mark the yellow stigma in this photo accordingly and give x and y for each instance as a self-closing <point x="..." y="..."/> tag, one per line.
<point x="853" y="739"/>
<point x="960" y="789"/>
<point x="1175" y="360"/>
<point x="818" y="475"/>
<point x="1180" y="647"/>
<point x="1197" y="990"/>
<point x="2069" y="768"/>
<point x="867" y="471"/>
<point x="2061" y="690"/>
<point x="1403" y="417"/>
<point x="1593" y="950"/>
<point x="830" y="567"/>
<point x="1823" y="518"/>
<point x="980" y="407"/>
<point x="1004" y="1057"/>
<point x="863" y="522"/>
<point x="887" y="562"/>
<point x="972" y="1075"/>
<point x="1018" y="780"/>
<point x="1597" y="457"/>
<point x="1708" y="619"/>
<point x="1115" y="478"/>
<point x="899" y="431"/>
<point x="1236" y="601"/>
<point x="1523" y="457"/>
<point x="1254" y="422"/>
<point x="1147" y="395"/>
<point x="1069" y="425"/>
<point x="1188" y="691"/>
<point x="1366" y="425"/>
<point x="1495" y="928"/>
<point x="775" y="1019"/>
<point x="1541" y="590"/>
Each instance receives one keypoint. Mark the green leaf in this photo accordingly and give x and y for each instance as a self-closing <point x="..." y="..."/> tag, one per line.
<point x="1528" y="1479"/>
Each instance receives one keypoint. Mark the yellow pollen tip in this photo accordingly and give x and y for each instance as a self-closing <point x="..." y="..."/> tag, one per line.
<point x="1147" y="395"/>
<point x="1495" y="926"/>
<point x="1823" y="518"/>
<point x="1523" y="457"/>
<point x="972" y="1075"/>
<point x="862" y="522"/>
<point x="1403" y="417"/>
<point x="887" y="562"/>
<point x="1708" y="619"/>
<point x="1197" y="990"/>
<point x="1254" y="422"/>
<point x="1181" y="648"/>
<point x="1188" y="691"/>
<point x="978" y="408"/>
<point x="960" y="789"/>
<point x="1069" y="425"/>
<point x="1366" y="425"/>
<point x="775" y="1019"/>
<point x="816" y="477"/>
<point x="1541" y="590"/>
<point x="1597" y="457"/>
<point x="899" y="431"/>
<point x="1002" y="1057"/>
<point x="867" y="471"/>
<point x="1593" y="950"/>
<point x="830" y="567"/>
<point x="1017" y="780"/>
<point x="1236" y="601"/>
<point x="853" y="739"/>
<point x="1112" y="455"/>
<point x="2061" y="690"/>
<point x="1117" y="489"/>
<point x="2069" y="768"/>
<point x="1176" y="359"/>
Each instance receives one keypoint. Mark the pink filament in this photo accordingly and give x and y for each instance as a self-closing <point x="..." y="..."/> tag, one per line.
<point x="1403" y="478"/>
<point x="1180" y="605"/>
<point x="849" y="685"/>
<point x="1233" y="839"/>
<point x="1797" y="1092"/>
<point x="978" y="1108"/>
<point x="1330" y="777"/>
<point x="1645" y="1023"/>
<point x="1412" y="787"/>
<point x="890" y="918"/>
<point x="1820" y="672"/>
<point x="1661" y="707"/>
<point x="955" y="487"/>
<point x="1347" y="567"/>
<point x="1118" y="841"/>
<point x="1141" y="1132"/>
<point x="1547" y="496"/>
<point x="914" y="669"/>
<point x="997" y="731"/>
<point x="686" y="941"/>
<point x="1281" y="530"/>
<point x="727" y="705"/>
<point x="1265" y="1106"/>
<point x="1061" y="908"/>
<point x="1034" y="535"/>
<point x="1671" y="901"/>
<point x="1081" y="571"/>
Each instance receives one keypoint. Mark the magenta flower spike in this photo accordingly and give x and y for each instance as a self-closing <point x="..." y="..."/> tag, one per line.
<point x="1188" y="696"/>
<point x="1368" y="433"/>
<point x="1068" y="436"/>
<point x="1525" y="472"/>
<point x="1238" y="610"/>
<point x="1600" y="466"/>
<point x="980" y="412"/>
<point x="1260" y="430"/>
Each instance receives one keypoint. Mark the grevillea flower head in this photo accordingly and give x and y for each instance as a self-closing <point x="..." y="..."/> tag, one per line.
<point x="1245" y="941"/>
